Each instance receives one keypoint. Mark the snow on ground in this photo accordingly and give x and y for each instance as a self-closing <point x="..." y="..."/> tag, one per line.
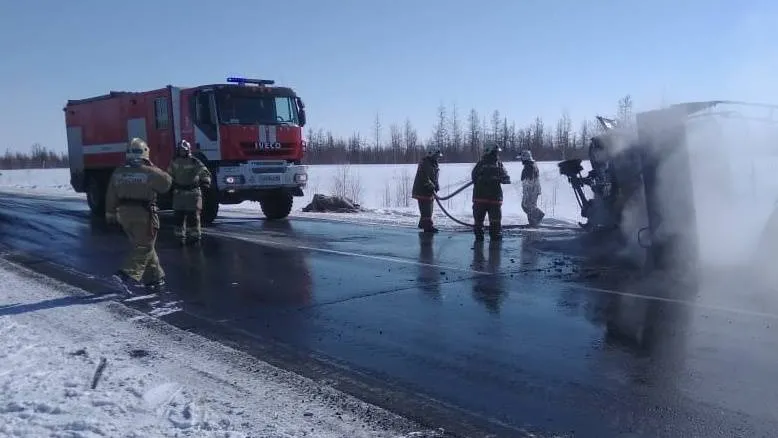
<point x="731" y="191"/>
<point x="158" y="381"/>
<point x="54" y="182"/>
<point x="384" y="191"/>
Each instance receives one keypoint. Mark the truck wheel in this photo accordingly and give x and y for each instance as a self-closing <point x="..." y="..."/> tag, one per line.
<point x="277" y="205"/>
<point x="95" y="197"/>
<point x="210" y="208"/>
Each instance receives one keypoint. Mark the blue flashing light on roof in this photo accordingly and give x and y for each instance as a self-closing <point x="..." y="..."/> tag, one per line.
<point x="251" y="81"/>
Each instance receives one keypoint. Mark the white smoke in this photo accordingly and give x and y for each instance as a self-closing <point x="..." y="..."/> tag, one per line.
<point x="734" y="173"/>
<point x="733" y="191"/>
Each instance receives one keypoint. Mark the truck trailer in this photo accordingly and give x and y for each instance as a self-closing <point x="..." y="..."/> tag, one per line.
<point x="248" y="133"/>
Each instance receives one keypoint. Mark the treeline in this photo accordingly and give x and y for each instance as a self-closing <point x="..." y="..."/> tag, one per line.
<point x="38" y="158"/>
<point x="460" y="140"/>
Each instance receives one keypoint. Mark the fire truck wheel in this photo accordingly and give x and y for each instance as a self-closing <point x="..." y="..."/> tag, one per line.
<point x="95" y="197"/>
<point x="277" y="205"/>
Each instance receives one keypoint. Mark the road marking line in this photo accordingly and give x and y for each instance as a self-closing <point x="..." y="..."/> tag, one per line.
<point x="677" y="301"/>
<point x="353" y="254"/>
<point x="471" y="271"/>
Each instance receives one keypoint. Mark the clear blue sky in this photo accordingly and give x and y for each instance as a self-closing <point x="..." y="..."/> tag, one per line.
<point x="349" y="59"/>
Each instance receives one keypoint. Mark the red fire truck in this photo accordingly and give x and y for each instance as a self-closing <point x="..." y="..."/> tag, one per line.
<point x="247" y="131"/>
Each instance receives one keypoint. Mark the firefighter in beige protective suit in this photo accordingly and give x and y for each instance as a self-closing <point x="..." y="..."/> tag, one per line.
<point x="190" y="178"/>
<point x="530" y="184"/>
<point x="131" y="202"/>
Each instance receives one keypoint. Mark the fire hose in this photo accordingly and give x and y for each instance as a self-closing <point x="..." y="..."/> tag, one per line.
<point x="454" y="193"/>
<point x="444" y="198"/>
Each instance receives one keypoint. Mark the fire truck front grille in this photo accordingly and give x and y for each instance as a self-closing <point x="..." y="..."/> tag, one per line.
<point x="252" y="149"/>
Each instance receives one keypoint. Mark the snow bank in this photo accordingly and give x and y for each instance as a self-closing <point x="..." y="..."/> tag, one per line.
<point x="54" y="182"/>
<point x="158" y="381"/>
<point x="731" y="191"/>
<point x="383" y="190"/>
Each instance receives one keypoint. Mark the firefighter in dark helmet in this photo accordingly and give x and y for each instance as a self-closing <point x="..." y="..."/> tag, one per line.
<point x="131" y="201"/>
<point x="425" y="185"/>
<point x="487" y="176"/>
<point x="190" y="178"/>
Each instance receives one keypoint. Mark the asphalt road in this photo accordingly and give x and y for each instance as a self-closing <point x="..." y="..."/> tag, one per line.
<point x="513" y="338"/>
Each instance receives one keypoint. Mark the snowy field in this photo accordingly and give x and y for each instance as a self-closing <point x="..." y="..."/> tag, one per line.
<point x="735" y="194"/>
<point x="157" y="380"/>
<point x="384" y="191"/>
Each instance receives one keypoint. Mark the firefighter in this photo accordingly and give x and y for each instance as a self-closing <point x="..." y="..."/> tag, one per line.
<point x="530" y="184"/>
<point x="190" y="178"/>
<point x="425" y="185"/>
<point x="487" y="176"/>
<point x="131" y="202"/>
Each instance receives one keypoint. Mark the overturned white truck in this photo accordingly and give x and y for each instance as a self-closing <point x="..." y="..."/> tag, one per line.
<point x="641" y="181"/>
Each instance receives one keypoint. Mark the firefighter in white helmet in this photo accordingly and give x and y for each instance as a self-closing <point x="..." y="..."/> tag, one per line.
<point x="530" y="184"/>
<point x="190" y="178"/>
<point x="131" y="201"/>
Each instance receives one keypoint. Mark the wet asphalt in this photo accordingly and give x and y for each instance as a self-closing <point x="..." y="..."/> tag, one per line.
<point x="528" y="333"/>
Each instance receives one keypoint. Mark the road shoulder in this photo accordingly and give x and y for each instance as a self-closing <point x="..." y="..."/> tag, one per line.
<point x="157" y="379"/>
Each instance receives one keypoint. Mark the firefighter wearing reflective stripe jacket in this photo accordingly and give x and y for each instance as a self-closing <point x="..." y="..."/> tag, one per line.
<point x="190" y="177"/>
<point x="131" y="201"/>
<point x="488" y="175"/>
<point x="425" y="185"/>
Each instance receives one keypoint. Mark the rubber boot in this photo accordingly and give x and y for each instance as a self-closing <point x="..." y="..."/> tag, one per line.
<point x="426" y="225"/>
<point x="193" y="240"/>
<point x="156" y="285"/>
<point x="534" y="219"/>
<point x="495" y="231"/>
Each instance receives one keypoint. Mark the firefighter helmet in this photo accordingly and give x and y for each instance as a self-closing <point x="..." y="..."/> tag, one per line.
<point x="137" y="149"/>
<point x="491" y="148"/>
<point x="434" y="152"/>
<point x="185" y="147"/>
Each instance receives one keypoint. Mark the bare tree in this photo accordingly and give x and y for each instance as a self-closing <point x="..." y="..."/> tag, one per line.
<point x="377" y="131"/>
<point x="585" y="134"/>
<point x="474" y="134"/>
<point x="441" y="135"/>
<point x="36" y="158"/>
<point x="355" y="148"/>
<point x="496" y="126"/>
<point x="395" y="142"/>
<point x="538" y="133"/>
<point x="562" y="135"/>
<point x="485" y="134"/>
<point x="456" y="133"/>
<point x="624" y="112"/>
<point x="410" y="141"/>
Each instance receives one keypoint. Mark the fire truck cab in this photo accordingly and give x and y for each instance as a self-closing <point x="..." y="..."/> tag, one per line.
<point x="247" y="132"/>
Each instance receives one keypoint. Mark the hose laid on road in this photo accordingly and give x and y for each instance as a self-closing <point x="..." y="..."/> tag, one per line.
<point x="440" y="204"/>
<point x="456" y="192"/>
